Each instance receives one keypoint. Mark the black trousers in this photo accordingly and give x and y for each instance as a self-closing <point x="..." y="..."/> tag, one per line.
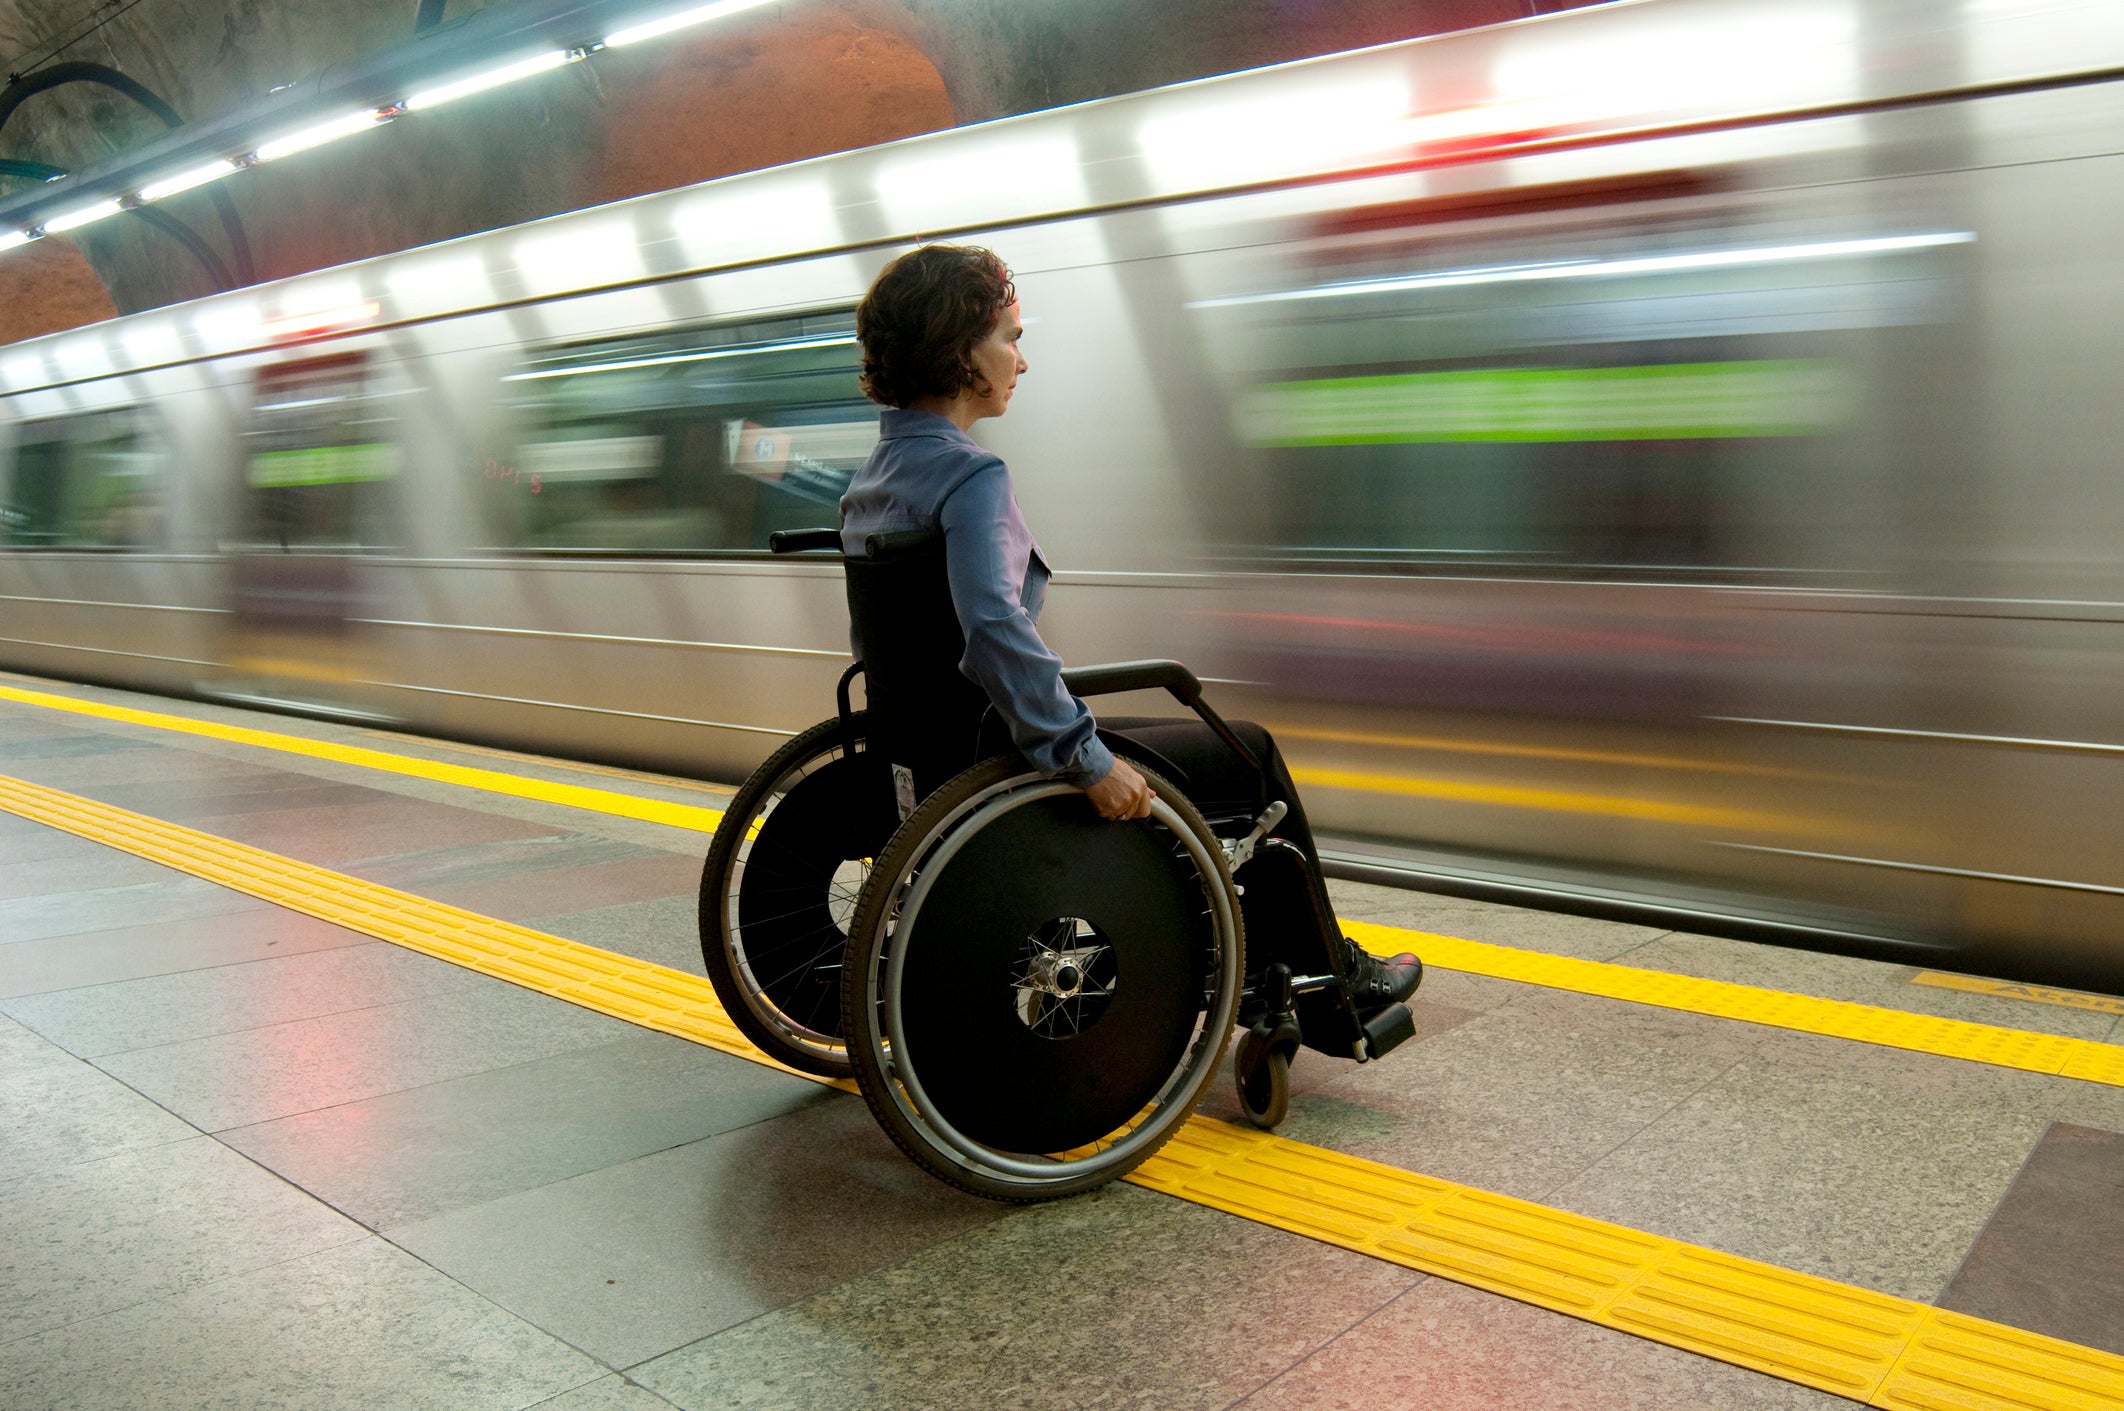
<point x="1218" y="780"/>
<point x="1288" y="915"/>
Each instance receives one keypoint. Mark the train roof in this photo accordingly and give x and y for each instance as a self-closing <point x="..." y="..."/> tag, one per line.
<point x="1587" y="77"/>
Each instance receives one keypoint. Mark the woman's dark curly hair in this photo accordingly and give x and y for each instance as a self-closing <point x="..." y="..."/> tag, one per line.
<point x="919" y="323"/>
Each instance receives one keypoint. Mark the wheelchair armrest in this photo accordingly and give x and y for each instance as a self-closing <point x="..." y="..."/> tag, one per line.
<point x="1113" y="677"/>
<point x="797" y="541"/>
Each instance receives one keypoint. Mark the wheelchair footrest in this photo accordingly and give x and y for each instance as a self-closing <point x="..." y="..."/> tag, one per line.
<point x="1388" y="1030"/>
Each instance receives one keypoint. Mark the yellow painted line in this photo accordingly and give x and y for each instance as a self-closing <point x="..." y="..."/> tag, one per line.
<point x="1866" y="1346"/>
<point x="2008" y="989"/>
<point x="494" y="781"/>
<point x="1554" y="801"/>
<point x="1980" y="1043"/>
<point x="2000" y="1047"/>
<point x="572" y="766"/>
<point x="1439" y="744"/>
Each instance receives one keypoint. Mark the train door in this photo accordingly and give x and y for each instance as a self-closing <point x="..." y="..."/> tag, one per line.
<point x="320" y="463"/>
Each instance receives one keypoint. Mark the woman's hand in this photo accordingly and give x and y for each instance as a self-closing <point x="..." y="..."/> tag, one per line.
<point x="1122" y="793"/>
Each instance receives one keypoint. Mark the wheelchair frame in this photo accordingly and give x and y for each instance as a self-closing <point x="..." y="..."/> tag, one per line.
<point x="774" y="947"/>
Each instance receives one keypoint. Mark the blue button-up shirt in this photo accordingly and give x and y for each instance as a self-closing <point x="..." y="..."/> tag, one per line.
<point x="925" y="473"/>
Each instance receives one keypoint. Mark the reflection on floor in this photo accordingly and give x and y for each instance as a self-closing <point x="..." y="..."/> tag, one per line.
<point x="251" y="1158"/>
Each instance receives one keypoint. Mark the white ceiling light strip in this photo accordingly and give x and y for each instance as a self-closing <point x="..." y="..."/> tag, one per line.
<point x="347" y="124"/>
<point x="684" y="19"/>
<point x="186" y="181"/>
<point x="492" y="78"/>
<point x="318" y="134"/>
<point x="84" y="215"/>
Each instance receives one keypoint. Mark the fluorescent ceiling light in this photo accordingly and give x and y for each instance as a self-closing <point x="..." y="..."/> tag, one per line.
<point x="839" y="340"/>
<point x="700" y="14"/>
<point x="9" y="239"/>
<point x="1581" y="269"/>
<point x="492" y="78"/>
<point x="185" y="181"/>
<point x="331" y="130"/>
<point x="75" y="219"/>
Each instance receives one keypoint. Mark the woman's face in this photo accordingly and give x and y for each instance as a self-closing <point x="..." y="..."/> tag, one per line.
<point x="999" y="364"/>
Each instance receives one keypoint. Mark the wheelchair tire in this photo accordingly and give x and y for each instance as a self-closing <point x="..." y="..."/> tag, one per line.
<point x="779" y="886"/>
<point x="1036" y="997"/>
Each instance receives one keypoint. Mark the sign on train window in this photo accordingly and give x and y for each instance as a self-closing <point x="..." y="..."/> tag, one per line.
<point x="84" y="482"/>
<point x="1673" y="386"/>
<point x="319" y="458"/>
<point x="697" y="441"/>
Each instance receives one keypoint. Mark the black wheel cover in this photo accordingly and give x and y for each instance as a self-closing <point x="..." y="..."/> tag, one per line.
<point x="792" y="943"/>
<point x="989" y="1075"/>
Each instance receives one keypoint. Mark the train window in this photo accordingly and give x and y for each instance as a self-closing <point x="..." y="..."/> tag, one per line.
<point x="320" y="456"/>
<point x="698" y="441"/>
<point x="84" y="482"/>
<point x="1644" y="391"/>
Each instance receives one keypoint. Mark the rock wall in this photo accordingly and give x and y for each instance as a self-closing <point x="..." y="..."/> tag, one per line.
<point x="787" y="81"/>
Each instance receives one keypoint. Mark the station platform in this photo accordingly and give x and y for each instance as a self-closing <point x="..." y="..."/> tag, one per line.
<point x="341" y="1069"/>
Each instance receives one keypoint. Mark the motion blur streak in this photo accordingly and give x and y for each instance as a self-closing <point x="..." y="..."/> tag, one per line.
<point x="1558" y="801"/>
<point x="1700" y="416"/>
<point x="1438" y="744"/>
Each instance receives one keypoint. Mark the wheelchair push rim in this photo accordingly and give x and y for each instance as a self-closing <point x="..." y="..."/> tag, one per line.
<point x="889" y="1066"/>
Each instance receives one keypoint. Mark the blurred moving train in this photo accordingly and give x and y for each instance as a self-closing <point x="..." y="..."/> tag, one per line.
<point x="1662" y="457"/>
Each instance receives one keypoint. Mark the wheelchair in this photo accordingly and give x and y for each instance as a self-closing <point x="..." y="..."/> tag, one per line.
<point x="1030" y="998"/>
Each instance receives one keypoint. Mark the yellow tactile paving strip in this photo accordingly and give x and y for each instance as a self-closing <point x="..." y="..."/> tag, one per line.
<point x="493" y="781"/>
<point x="1865" y="1346"/>
<point x="1891" y="1028"/>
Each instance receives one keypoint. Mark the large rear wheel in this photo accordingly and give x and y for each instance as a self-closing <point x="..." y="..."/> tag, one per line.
<point x="1035" y="997"/>
<point x="780" y="887"/>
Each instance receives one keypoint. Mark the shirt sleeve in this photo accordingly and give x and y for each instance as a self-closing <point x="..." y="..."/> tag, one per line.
<point x="1004" y="653"/>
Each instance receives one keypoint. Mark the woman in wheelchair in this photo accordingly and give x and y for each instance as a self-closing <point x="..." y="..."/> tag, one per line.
<point x="1031" y="993"/>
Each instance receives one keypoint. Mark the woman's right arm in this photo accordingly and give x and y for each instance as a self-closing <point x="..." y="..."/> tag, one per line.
<point x="1005" y="655"/>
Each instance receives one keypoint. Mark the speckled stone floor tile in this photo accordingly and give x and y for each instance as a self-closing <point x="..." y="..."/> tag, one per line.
<point x="1444" y="1347"/>
<point x="236" y="1080"/>
<point x="360" y="1325"/>
<point x="1500" y="1102"/>
<point x="639" y="1258"/>
<point x="613" y="1393"/>
<point x="166" y="947"/>
<point x="412" y="1155"/>
<point x="24" y="1052"/>
<point x="2052" y="1258"/>
<point x="380" y="826"/>
<point x="74" y="913"/>
<point x="92" y="1238"/>
<point x="1119" y="1298"/>
<point x="55" y="1115"/>
<point x="1815" y="1171"/>
<point x="166" y="1009"/>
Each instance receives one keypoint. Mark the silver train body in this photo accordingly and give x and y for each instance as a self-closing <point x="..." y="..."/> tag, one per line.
<point x="1663" y="457"/>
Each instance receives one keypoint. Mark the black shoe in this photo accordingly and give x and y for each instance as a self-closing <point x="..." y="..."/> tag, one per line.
<point x="1373" y="983"/>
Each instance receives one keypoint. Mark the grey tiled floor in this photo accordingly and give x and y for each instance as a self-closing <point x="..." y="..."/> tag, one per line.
<point x="250" y="1159"/>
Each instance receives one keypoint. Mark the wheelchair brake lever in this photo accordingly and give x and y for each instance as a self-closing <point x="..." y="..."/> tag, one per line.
<point x="1238" y="852"/>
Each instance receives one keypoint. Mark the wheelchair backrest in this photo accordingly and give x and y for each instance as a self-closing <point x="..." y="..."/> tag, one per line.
<point x="925" y="716"/>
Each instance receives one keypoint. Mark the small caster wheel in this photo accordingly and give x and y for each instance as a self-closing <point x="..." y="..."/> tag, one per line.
<point x="1263" y="1069"/>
